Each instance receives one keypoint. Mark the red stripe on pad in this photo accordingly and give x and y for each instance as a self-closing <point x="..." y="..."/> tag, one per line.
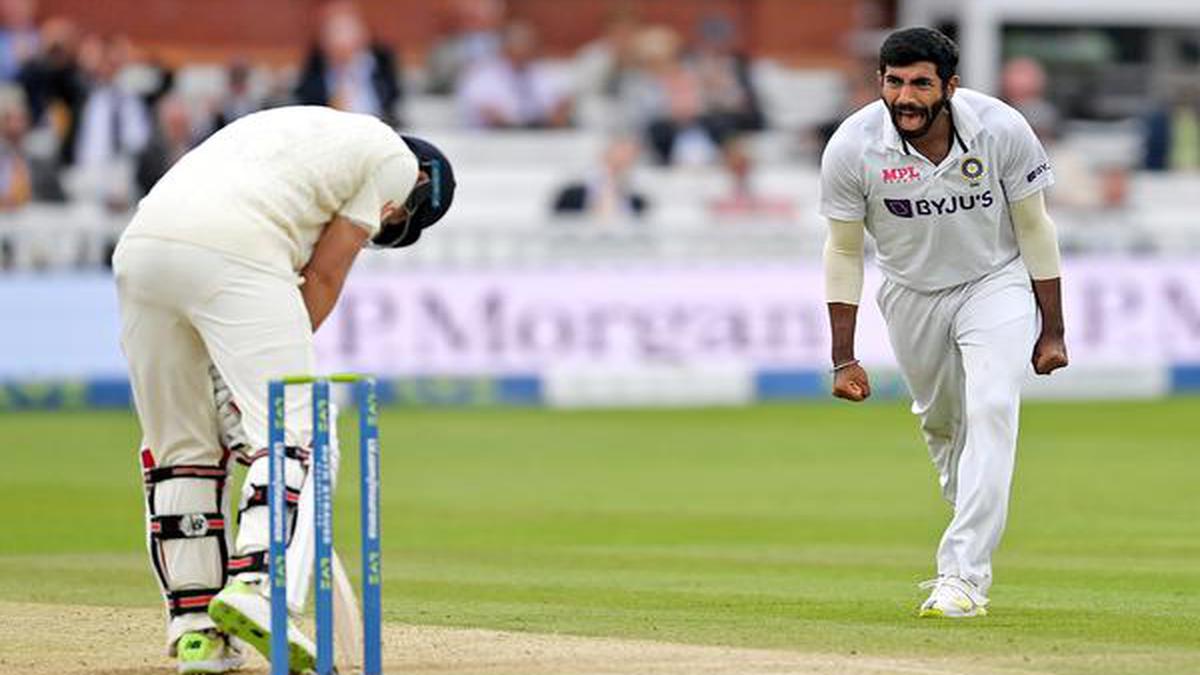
<point x="198" y="601"/>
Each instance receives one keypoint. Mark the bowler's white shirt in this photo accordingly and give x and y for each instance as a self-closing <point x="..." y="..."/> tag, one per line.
<point x="935" y="226"/>
<point x="264" y="187"/>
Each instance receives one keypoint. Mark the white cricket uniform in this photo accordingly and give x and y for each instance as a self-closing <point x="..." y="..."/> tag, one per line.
<point x="956" y="297"/>
<point x="207" y="273"/>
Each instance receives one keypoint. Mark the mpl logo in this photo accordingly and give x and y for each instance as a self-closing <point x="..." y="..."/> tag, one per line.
<point x="904" y="174"/>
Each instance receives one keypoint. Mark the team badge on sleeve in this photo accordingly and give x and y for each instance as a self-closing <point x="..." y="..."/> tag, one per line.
<point x="972" y="169"/>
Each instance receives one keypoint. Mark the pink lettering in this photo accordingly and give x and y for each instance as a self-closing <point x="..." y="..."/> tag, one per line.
<point x="904" y="174"/>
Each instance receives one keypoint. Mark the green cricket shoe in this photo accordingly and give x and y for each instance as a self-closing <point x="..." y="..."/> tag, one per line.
<point x="207" y="651"/>
<point x="242" y="611"/>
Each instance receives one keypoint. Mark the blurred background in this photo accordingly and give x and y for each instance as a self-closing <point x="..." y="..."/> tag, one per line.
<point x="636" y="217"/>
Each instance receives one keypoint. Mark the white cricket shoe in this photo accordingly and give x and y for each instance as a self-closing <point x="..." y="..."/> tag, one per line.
<point x="953" y="598"/>
<point x="207" y="651"/>
<point x="243" y="611"/>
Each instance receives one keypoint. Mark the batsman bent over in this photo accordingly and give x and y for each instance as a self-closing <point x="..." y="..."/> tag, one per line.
<point x="230" y="264"/>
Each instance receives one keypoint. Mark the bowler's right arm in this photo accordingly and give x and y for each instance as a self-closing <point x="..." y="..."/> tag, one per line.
<point x="843" y="289"/>
<point x="843" y="203"/>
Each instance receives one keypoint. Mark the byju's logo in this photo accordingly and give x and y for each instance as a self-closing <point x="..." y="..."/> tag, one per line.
<point x="940" y="206"/>
<point x="901" y="208"/>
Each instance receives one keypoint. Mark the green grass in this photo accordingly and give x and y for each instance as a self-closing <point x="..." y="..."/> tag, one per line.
<point x="800" y="527"/>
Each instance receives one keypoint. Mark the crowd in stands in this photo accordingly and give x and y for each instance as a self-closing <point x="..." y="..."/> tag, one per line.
<point x="90" y="118"/>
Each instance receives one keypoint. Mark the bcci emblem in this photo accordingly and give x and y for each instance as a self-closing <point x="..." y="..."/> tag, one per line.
<point x="972" y="169"/>
<point x="193" y="525"/>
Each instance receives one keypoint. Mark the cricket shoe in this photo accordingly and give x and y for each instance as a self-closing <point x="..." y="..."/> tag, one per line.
<point x="953" y="598"/>
<point x="243" y="611"/>
<point x="207" y="651"/>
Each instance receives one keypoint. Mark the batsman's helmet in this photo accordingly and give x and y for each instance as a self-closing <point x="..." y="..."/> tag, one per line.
<point x="429" y="200"/>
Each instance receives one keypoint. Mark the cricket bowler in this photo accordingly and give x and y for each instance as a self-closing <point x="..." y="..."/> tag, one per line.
<point x="949" y="182"/>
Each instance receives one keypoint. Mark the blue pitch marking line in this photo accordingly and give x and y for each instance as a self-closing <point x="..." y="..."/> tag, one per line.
<point x="277" y="509"/>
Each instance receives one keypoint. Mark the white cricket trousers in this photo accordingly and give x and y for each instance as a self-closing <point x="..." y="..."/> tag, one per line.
<point x="964" y="352"/>
<point x="184" y="307"/>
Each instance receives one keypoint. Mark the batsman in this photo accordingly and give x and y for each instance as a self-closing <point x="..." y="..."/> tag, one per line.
<point x="231" y="263"/>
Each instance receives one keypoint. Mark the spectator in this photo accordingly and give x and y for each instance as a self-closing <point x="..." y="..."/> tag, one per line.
<point x="662" y="99"/>
<point x="277" y="88"/>
<point x="24" y="174"/>
<point x="515" y="89"/>
<point x="16" y="173"/>
<point x="163" y="80"/>
<point x="54" y="83"/>
<point x="731" y="102"/>
<point x="601" y="63"/>
<point x="609" y="194"/>
<point x="347" y="71"/>
<point x="240" y="98"/>
<point x="473" y="35"/>
<point x="113" y="127"/>
<point x="173" y="137"/>
<point x="861" y="88"/>
<point x="744" y="201"/>
<point x="1023" y="86"/>
<point x="1113" y="179"/>
<point x="18" y="36"/>
<point x="1172" y="133"/>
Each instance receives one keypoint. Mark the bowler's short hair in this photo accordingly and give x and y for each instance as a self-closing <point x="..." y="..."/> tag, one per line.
<point x="911" y="45"/>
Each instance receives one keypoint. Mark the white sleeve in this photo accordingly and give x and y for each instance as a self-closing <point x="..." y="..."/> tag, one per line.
<point x="844" y="261"/>
<point x="365" y="207"/>
<point x="391" y="181"/>
<point x="1025" y="168"/>
<point x="1037" y="238"/>
<point x="843" y="195"/>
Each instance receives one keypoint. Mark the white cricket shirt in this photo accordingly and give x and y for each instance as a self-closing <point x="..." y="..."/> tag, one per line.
<point x="935" y="226"/>
<point x="264" y="187"/>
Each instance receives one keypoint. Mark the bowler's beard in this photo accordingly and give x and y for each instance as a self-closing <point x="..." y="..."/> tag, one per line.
<point x="930" y="113"/>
